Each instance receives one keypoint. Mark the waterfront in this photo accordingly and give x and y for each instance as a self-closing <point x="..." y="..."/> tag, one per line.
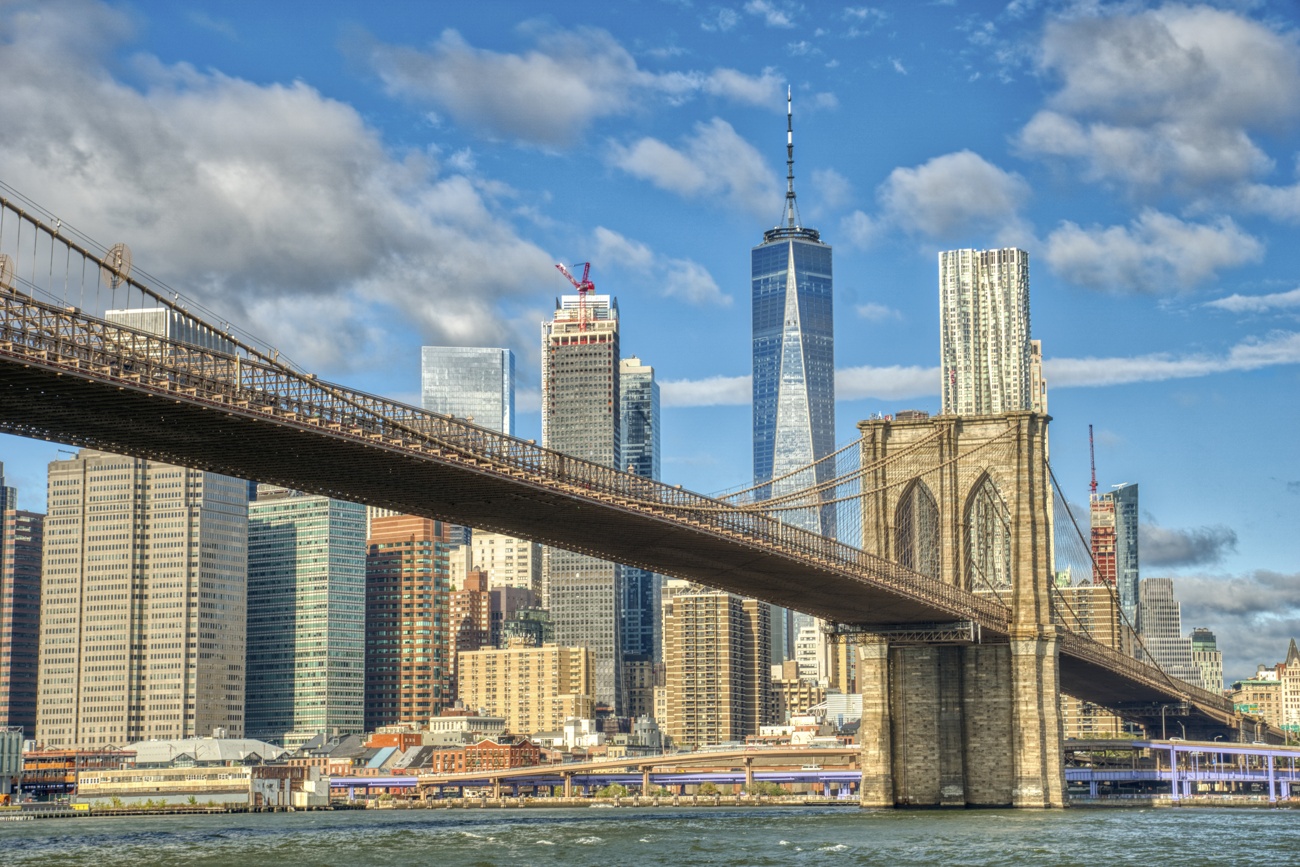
<point x="842" y="835"/>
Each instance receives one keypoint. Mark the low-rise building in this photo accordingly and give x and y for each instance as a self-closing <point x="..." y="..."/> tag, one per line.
<point x="260" y="786"/>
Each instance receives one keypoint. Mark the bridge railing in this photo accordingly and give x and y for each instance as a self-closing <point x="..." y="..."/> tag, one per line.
<point x="70" y="338"/>
<point x="1099" y="654"/>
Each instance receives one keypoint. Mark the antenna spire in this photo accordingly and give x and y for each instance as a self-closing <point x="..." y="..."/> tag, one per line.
<point x="791" y="207"/>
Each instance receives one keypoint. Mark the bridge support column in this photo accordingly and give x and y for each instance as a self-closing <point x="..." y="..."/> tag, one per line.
<point x="645" y="782"/>
<point x="875" y="730"/>
<point x="749" y="773"/>
<point x="568" y="785"/>
<point x="1036" y="722"/>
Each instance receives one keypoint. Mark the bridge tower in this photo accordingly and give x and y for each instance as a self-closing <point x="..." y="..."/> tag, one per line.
<point x="949" y="716"/>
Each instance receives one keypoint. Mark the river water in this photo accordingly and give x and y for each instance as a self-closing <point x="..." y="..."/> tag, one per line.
<point x="623" y="836"/>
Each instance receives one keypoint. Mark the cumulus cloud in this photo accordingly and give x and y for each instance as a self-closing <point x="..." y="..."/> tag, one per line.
<point x="713" y="162"/>
<point x="711" y="391"/>
<point x="952" y="194"/>
<point x="1253" y="616"/>
<point x="1257" y="303"/>
<point x="1171" y="547"/>
<point x="860" y="229"/>
<point x="1157" y="252"/>
<point x="1168" y="94"/>
<point x="550" y="94"/>
<point x="886" y="383"/>
<point x="274" y="205"/>
<point x="675" y="278"/>
<point x="873" y="312"/>
<point x="773" y="14"/>
<point x="1252" y="354"/>
<point x="833" y="190"/>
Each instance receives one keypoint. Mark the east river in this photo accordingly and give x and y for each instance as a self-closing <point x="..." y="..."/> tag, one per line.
<point x="626" y="836"/>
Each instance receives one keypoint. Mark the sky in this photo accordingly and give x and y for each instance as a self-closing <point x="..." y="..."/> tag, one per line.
<point x="381" y="176"/>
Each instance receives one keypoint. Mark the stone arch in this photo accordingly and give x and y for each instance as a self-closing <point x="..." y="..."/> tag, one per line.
<point x="916" y="530"/>
<point x="986" y="528"/>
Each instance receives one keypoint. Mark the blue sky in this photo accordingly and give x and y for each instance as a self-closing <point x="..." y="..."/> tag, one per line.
<point x="378" y="176"/>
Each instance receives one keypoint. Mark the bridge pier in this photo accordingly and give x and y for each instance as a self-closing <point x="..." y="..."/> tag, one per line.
<point x="960" y="726"/>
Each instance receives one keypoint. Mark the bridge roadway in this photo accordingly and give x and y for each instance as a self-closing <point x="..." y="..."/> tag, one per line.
<point x="71" y="378"/>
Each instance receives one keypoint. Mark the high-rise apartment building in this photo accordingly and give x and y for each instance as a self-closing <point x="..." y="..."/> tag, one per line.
<point x="408" y="651"/>
<point x="639" y="410"/>
<point x="1114" y="519"/>
<point x="143" y="603"/>
<point x="306" y="616"/>
<point x="471" y="620"/>
<point x="1161" y="621"/>
<point x="793" y="332"/>
<point x="20" y="611"/>
<point x="984" y="342"/>
<point x="1208" y="659"/>
<point x="581" y="417"/>
<point x="716" y="665"/>
<point x="508" y="562"/>
<point x="535" y="688"/>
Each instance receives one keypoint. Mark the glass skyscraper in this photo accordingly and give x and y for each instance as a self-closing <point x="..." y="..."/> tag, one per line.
<point x="639" y="408"/>
<point x="794" y="367"/>
<point x="470" y="382"/>
<point x="306" y="616"/>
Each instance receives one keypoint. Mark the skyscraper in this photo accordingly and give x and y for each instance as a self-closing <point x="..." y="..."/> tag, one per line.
<point x="20" y="611"/>
<point x="984" y="332"/>
<point x="143" y="602"/>
<point x="1162" y="630"/>
<point x="306" y="616"/>
<point x="408" y="654"/>
<point x="470" y="382"/>
<point x="1208" y="659"/>
<point x="793" y="366"/>
<point x="639" y="409"/>
<point x="1114" y="519"/>
<point x="581" y="417"/>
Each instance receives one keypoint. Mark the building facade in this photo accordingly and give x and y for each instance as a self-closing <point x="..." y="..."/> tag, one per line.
<point x="1208" y="659"/>
<point x="1093" y="609"/>
<point x="470" y="382"/>
<point x="1114" y="519"/>
<point x="408" y="650"/>
<point x="581" y="417"/>
<point x="143" y="603"/>
<point x="639" y="409"/>
<point x="508" y="562"/>
<point x="716" y="665"/>
<point x="21" y="535"/>
<point x="984" y="331"/>
<point x="306" y="616"/>
<point x="534" y="688"/>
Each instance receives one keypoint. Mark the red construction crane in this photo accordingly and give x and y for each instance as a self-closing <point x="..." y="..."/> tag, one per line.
<point x="1092" y="461"/>
<point x="584" y="286"/>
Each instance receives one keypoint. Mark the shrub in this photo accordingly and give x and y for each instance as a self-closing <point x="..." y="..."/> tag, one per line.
<point x="708" y="789"/>
<point x="615" y="790"/>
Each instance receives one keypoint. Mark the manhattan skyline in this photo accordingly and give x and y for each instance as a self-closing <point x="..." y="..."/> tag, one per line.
<point x="434" y="165"/>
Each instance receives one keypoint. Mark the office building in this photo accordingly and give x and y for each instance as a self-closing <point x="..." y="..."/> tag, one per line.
<point x="306" y="617"/>
<point x="529" y="627"/>
<point x="639" y="409"/>
<point x="534" y="688"/>
<point x="984" y="342"/>
<point x="408" y="650"/>
<point x="1161" y="628"/>
<point x="716" y="668"/>
<point x="1092" y="609"/>
<point x="793" y="370"/>
<point x="1114" y="519"/>
<point x="506" y="603"/>
<point x="1208" y="659"/>
<point x="20" y="611"/>
<point x="172" y="325"/>
<point x="581" y="417"/>
<point x="143" y="603"/>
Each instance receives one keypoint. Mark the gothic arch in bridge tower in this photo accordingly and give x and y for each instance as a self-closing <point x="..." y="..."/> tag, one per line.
<point x="916" y="530"/>
<point x="986" y="543"/>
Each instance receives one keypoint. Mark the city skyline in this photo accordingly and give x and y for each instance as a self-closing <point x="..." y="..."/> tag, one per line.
<point x="1163" y="287"/>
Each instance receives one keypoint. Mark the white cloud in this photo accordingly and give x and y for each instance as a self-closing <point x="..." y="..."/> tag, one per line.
<point x="713" y="391"/>
<point x="951" y="194"/>
<point x="550" y="94"/>
<point x="1253" y="616"/>
<point x="275" y="206"/>
<point x="725" y="20"/>
<point x="873" y="312"/>
<point x="886" y="383"/>
<point x="714" y="162"/>
<point x="1169" y="94"/>
<point x="1157" y="252"/>
<point x="772" y="14"/>
<point x="1280" y="348"/>
<point x="1257" y="303"/>
<point x="833" y="189"/>
<point x="675" y="278"/>
<point x="861" y="230"/>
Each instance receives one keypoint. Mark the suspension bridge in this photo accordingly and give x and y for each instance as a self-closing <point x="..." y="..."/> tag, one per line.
<point x="95" y="353"/>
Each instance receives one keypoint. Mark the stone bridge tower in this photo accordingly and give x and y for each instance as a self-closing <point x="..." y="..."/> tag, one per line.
<point x="949" y="716"/>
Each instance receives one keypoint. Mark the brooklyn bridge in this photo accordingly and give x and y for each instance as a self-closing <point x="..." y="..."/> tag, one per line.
<point x="964" y="640"/>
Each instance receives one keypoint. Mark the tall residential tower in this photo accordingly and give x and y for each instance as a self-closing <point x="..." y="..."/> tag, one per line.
<point x="581" y="417"/>
<point x="639" y="408"/>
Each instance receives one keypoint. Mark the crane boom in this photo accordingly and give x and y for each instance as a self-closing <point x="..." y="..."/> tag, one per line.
<point x="584" y="286"/>
<point x="1092" y="461"/>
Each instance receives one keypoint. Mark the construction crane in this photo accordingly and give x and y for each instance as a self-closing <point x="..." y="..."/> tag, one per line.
<point x="1092" y="461"/>
<point x="584" y="286"/>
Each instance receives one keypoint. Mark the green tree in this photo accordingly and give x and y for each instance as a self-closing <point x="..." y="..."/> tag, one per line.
<point x="708" y="789"/>
<point x="614" y="790"/>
